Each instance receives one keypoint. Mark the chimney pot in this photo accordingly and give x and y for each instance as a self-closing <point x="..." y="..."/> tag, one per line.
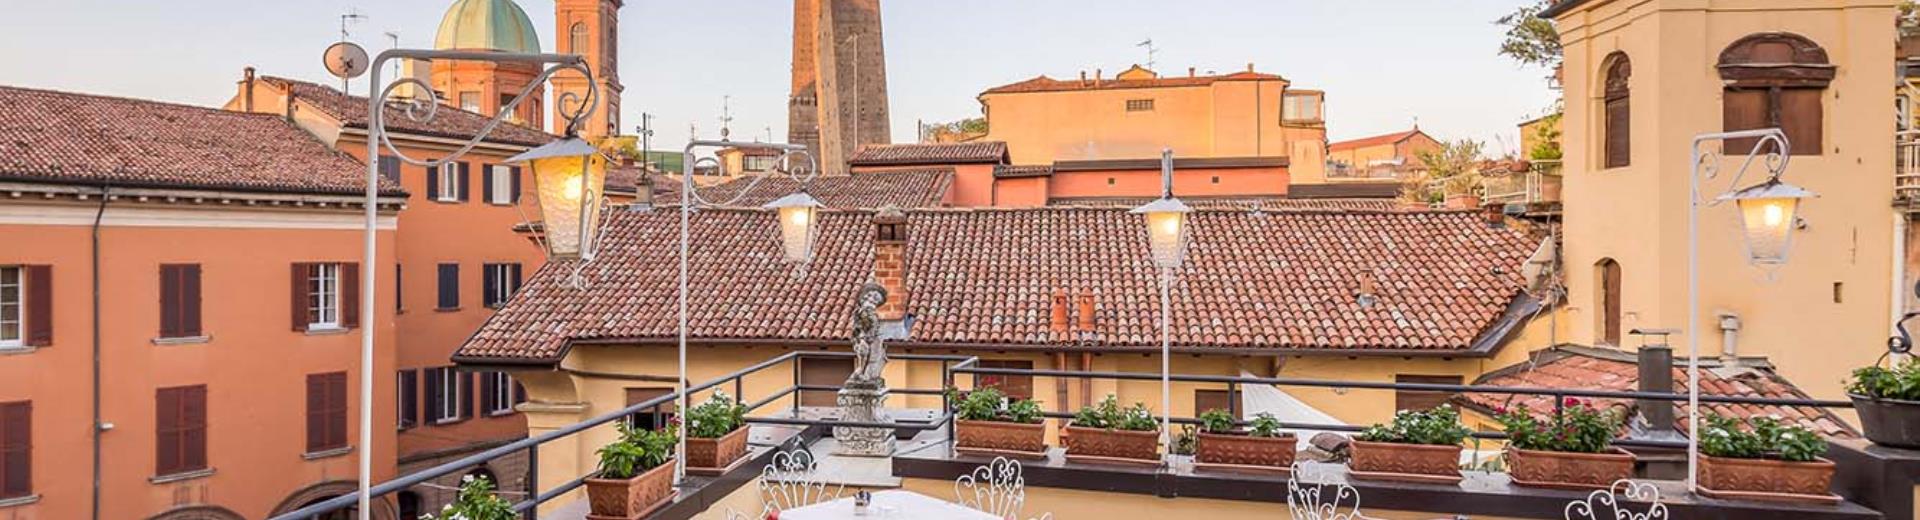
<point x="1083" y="77"/>
<point x="1656" y="376"/>
<point x="889" y="261"/>
<point x="1059" y="322"/>
<point x="1097" y="74"/>
<point x="1190" y="72"/>
<point x="1249" y="66"/>
<point x="1086" y="310"/>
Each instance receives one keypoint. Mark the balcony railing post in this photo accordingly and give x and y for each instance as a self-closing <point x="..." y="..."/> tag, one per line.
<point x="794" y="410"/>
<point x="533" y="481"/>
<point x="1233" y="401"/>
<point x="739" y="390"/>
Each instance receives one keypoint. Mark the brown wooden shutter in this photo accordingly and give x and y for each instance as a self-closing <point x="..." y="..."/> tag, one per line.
<point x="488" y="387"/>
<point x="464" y="193"/>
<point x="170" y="307"/>
<point x="823" y="372"/>
<point x="1800" y="116"/>
<point x="193" y="415"/>
<point x="1019" y="387"/>
<point x="190" y="300"/>
<point x="436" y="400"/>
<point x="519" y="392"/>
<point x="465" y="382"/>
<point x="166" y="447"/>
<point x="515" y="189"/>
<point x="350" y="295"/>
<point x="1619" y="134"/>
<point x="39" y="280"/>
<point x="316" y="412"/>
<point x="16" y="449"/>
<point x="433" y="183"/>
<point x="1743" y="109"/>
<point x="337" y="410"/>
<point x="486" y="185"/>
<point x="300" y="297"/>
<point x="409" y="393"/>
<point x="181" y="429"/>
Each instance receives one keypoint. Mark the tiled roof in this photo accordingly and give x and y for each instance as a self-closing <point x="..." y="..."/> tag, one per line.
<point x="1241" y="203"/>
<point x="1014" y="171"/>
<point x="917" y="188"/>
<point x="984" y="277"/>
<point x="81" y="138"/>
<point x="930" y="153"/>
<point x="1372" y="141"/>
<point x="1043" y="83"/>
<point x="1588" y="368"/>
<point x="448" y="121"/>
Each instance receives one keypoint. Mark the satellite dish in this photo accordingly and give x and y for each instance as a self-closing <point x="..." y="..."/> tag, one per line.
<point x="345" y="60"/>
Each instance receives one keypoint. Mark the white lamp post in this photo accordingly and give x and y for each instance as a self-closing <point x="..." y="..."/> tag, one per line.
<point x="1768" y="213"/>
<point x="569" y="175"/>
<point x="1167" y="236"/>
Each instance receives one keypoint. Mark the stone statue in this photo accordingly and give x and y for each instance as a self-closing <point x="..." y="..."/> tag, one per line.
<point x="869" y="351"/>
<point x="864" y="397"/>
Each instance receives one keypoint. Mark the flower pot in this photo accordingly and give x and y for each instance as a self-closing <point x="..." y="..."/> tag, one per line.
<point x="1566" y="470"/>
<point x="628" y="499"/>
<point x="1408" y="462"/>
<point x="1113" y="445"/>
<point x="717" y="453"/>
<point x="1245" y="450"/>
<point x="1889" y="422"/>
<point x="1001" y="436"/>
<point x="1767" y="478"/>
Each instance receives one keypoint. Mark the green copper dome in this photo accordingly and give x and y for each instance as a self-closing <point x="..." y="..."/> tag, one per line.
<point x="497" y="25"/>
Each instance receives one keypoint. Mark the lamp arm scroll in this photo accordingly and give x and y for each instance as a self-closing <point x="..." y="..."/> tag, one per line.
<point x="378" y="123"/>
<point x="1777" y="156"/>
<point x="804" y="175"/>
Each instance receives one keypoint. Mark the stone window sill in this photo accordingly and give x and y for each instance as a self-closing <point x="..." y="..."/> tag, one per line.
<point x="446" y="309"/>
<point x="19" y="501"/>
<point x="324" y="454"/>
<point x="183" y="340"/>
<point x="327" y="331"/>
<point x="17" y="349"/>
<point x="183" y="476"/>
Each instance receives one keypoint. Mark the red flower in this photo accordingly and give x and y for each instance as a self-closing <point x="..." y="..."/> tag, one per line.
<point x="1573" y="401"/>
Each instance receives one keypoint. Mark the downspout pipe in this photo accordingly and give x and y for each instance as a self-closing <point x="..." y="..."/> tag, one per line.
<point x="99" y="427"/>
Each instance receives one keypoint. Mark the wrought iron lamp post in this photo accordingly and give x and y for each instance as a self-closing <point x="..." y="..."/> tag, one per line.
<point x="1167" y="237"/>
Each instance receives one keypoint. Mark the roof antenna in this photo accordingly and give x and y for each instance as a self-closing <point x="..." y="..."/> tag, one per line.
<point x="726" y="116"/>
<point x="393" y="40"/>
<point x="1151" y="52"/>
<point x="351" y="16"/>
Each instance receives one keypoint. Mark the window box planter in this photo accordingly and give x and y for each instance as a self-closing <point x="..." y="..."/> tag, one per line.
<point x="1104" y="445"/>
<point x="1889" y="422"/>
<point x="1568" y="470"/>
<point x="1243" y="451"/>
<point x="715" y="456"/>
<point x="1001" y="438"/>
<point x="630" y="499"/>
<point x="1406" y="462"/>
<point x="1767" y="479"/>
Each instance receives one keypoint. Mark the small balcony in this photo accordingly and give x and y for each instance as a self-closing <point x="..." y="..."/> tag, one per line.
<point x="1906" y="169"/>
<point x="1535" y="189"/>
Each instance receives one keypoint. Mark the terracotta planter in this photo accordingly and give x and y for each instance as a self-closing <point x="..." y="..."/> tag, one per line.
<point x="1388" y="460"/>
<point x="1246" y="450"/>
<point x="717" y="453"/>
<point x="1558" y="469"/>
<point x="1463" y="202"/>
<point x="1889" y="422"/>
<point x="630" y="498"/>
<point x="1001" y="436"/>
<point x="1811" y="479"/>
<point x="1113" y="444"/>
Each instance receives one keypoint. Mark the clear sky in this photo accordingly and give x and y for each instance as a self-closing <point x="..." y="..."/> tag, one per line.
<point x="1383" y="63"/>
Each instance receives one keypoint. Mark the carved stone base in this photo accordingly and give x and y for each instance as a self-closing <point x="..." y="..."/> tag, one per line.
<point x="863" y="404"/>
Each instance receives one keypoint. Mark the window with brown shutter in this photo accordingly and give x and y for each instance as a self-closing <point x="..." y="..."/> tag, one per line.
<point x="1422" y="399"/>
<point x="1015" y="386"/>
<point x="1618" y="141"/>
<point x="16" y="449"/>
<point x="1774" y="80"/>
<point x="26" y="306"/>
<point x="349" y="302"/>
<point x="13" y="325"/>
<point x="449" y="395"/>
<point x="1204" y="400"/>
<point x="179" y="300"/>
<point x="407" y="391"/>
<point x="181" y="430"/>
<point x="326" y="411"/>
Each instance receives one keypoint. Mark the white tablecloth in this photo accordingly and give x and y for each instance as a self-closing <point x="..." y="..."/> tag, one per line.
<point x="892" y="504"/>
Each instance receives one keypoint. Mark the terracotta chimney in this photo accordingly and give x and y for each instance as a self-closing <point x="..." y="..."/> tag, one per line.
<point x="1083" y="77"/>
<point x="1249" y="66"/>
<point x="246" y="90"/>
<point x="1086" y="311"/>
<point x="1058" y="324"/>
<point x="889" y="260"/>
<point x="1189" y="72"/>
<point x="1096" y="75"/>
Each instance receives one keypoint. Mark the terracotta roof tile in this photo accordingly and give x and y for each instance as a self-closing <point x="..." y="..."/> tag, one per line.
<point x="1372" y="140"/>
<point x="1284" y="280"/>
<point x="448" y="122"/>
<point x="81" y="138"/>
<point x="1012" y="171"/>
<point x="1241" y="203"/>
<point x="917" y="188"/>
<point x="930" y="153"/>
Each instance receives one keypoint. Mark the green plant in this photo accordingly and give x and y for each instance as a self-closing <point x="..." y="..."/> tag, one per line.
<point x="1578" y="428"/>
<point x="1185" y="442"/>
<point x="1108" y="414"/>
<point x="1264" y="425"/>
<point x="636" y="451"/>
<point x="719" y="416"/>
<point x="988" y="404"/>
<point x="1759" y="438"/>
<point x="1216" y="421"/>
<point x="1902" y="382"/>
<point x="1025" y="411"/>
<point x="1439" y="426"/>
<point x="475" y="501"/>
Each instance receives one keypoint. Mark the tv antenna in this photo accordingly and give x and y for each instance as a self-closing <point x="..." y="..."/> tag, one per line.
<point x="352" y="16"/>
<point x="1152" y="51"/>
<point x="726" y="116"/>
<point x="393" y="42"/>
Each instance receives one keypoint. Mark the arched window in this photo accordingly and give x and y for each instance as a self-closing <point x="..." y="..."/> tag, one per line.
<point x="1618" y="142"/>
<point x="577" y="38"/>
<point x="1606" y="293"/>
<point x="1774" y="79"/>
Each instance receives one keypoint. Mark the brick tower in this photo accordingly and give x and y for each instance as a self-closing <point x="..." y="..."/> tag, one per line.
<point x="839" y="99"/>
<point x="588" y="27"/>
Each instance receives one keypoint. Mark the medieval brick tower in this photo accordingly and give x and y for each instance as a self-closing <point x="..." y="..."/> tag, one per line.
<point x="588" y="28"/>
<point x="839" y="99"/>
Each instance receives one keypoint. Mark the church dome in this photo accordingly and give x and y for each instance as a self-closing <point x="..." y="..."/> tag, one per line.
<point x="495" y="25"/>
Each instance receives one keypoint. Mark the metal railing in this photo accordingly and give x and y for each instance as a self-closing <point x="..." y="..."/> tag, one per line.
<point x="1906" y="166"/>
<point x="1539" y="184"/>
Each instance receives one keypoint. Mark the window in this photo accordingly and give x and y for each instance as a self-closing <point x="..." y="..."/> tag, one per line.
<point x="1607" y="278"/>
<point x="496" y="393"/>
<point x="1422" y="399"/>
<point x="470" y="101"/>
<point x="1205" y="400"/>
<point x="1020" y="387"/>
<point x="446" y="181"/>
<point x="326" y="412"/>
<point x="326" y="296"/>
<point x="760" y="163"/>
<point x="577" y="38"/>
<point x="16" y="449"/>
<point x="181" y="429"/>
<point x="1774" y="80"/>
<point x="323" y="296"/>
<point x="179" y="300"/>
<point x="500" y="282"/>
<point x="1617" y="142"/>
<point x="26" y="306"/>
<point x="502" y="185"/>
<point x="816" y="371"/>
<point x="12" y="323"/>
<point x="652" y="418"/>
<point x="1139" y="105"/>
<point x="449" y="395"/>
<point x="449" y="287"/>
<point x="390" y="168"/>
<point x="407" y="392"/>
<point x="1301" y="107"/>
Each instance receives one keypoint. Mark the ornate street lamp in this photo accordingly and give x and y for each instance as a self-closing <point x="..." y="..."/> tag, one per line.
<point x="569" y="175"/>
<point x="1767" y="213"/>
<point x="1167" y="238"/>
<point x="798" y="213"/>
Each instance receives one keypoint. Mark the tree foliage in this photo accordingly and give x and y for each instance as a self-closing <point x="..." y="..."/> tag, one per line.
<point x="955" y="131"/>
<point x="1530" y="39"/>
<point x="1451" y="169"/>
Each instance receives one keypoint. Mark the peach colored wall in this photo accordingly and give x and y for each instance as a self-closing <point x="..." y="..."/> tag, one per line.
<point x="254" y="365"/>
<point x="1186" y="183"/>
<point x="1020" y="192"/>
<point x="1226" y="119"/>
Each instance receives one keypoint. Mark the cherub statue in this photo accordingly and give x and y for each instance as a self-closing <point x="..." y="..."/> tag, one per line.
<point x="869" y="352"/>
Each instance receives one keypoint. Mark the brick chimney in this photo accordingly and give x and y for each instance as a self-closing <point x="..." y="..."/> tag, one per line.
<point x="890" y="260"/>
<point x="1086" y="322"/>
<point x="1190" y="72"/>
<point x="1083" y="78"/>
<point x="1058" y="320"/>
<point x="246" y="89"/>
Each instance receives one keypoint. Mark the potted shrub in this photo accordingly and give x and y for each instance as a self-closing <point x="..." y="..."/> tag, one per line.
<point x="1888" y="400"/>
<point x="988" y="423"/>
<point x="1261" y="445"/>
<point x="1417" y="446"/>
<point x="716" y="434"/>
<point x="635" y="476"/>
<point x="476" y="501"/>
<point x="1107" y="432"/>
<point x="1572" y="449"/>
<point x="1763" y="459"/>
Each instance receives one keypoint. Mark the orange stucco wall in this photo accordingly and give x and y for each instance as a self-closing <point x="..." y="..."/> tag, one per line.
<point x="253" y="364"/>
<point x="1190" y="182"/>
<point x="1020" y="192"/>
<point x="1225" y="119"/>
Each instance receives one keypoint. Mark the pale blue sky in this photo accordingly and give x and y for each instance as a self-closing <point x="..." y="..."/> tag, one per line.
<point x="1382" y="63"/>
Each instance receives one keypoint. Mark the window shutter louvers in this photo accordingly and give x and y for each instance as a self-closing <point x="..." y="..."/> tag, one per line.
<point x="486" y="185"/>
<point x="39" y="280"/>
<point x="409" y="398"/>
<point x="1800" y="118"/>
<point x="1743" y="109"/>
<point x="16" y="448"/>
<point x="449" y="286"/>
<point x="465" y="382"/>
<point x="316" y="410"/>
<point x="170" y="306"/>
<point x="300" y="297"/>
<point x="190" y="300"/>
<point x="433" y="183"/>
<point x="489" y="388"/>
<point x="166" y="409"/>
<point x="490" y="284"/>
<point x="194" y="414"/>
<point x="515" y="288"/>
<point x="463" y="192"/>
<point x="436" y="399"/>
<point x="514" y="198"/>
<point x="350" y="295"/>
<point x="337" y="410"/>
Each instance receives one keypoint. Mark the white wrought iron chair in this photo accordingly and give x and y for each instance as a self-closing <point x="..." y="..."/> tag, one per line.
<point x="997" y="488"/>
<point x="1306" y="499"/>
<point x="1606" y="504"/>
<point x="790" y="480"/>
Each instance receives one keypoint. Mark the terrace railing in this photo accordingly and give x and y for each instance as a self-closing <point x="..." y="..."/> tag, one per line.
<point x="1540" y="184"/>
<point x="1906" y="166"/>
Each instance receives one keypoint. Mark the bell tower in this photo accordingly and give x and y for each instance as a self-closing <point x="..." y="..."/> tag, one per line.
<point x="588" y="28"/>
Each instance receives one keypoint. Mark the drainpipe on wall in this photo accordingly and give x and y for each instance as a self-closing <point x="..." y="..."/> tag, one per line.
<point x="1897" y="305"/>
<point x="99" y="427"/>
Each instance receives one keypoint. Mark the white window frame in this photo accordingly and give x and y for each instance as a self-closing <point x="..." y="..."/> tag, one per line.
<point x="472" y="96"/>
<point x="502" y="393"/>
<point x="502" y="193"/>
<point x="1293" y="105"/>
<point x="449" y="179"/>
<point x="18" y="304"/>
<point x="449" y="391"/>
<point x="323" y="297"/>
<point x="759" y="163"/>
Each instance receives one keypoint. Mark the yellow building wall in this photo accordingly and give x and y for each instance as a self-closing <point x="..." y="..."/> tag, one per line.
<point x="1234" y="118"/>
<point x="1828" y="310"/>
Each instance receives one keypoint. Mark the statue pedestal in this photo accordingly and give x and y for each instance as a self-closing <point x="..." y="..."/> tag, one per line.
<point x="863" y="403"/>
